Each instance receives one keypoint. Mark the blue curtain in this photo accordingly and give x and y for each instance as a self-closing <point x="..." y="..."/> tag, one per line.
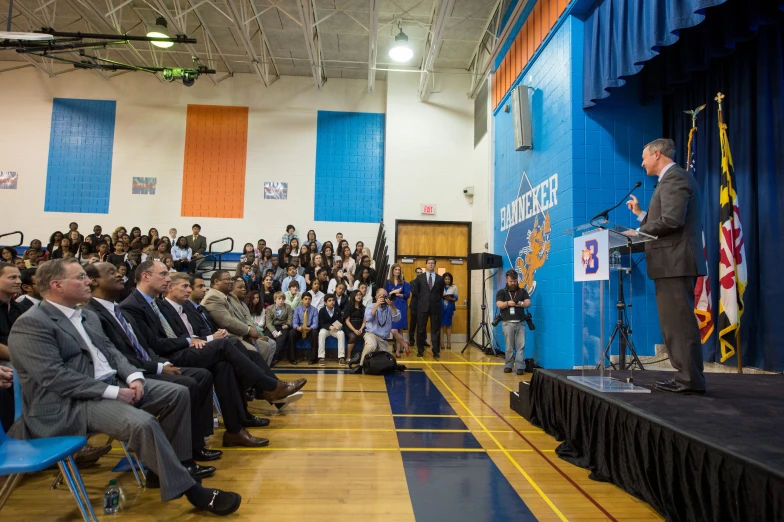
<point x="620" y="35"/>
<point x="738" y="50"/>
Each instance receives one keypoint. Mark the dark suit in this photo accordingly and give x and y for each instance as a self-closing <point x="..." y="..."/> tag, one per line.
<point x="428" y="306"/>
<point x="197" y="380"/>
<point x="197" y="246"/>
<point x="674" y="259"/>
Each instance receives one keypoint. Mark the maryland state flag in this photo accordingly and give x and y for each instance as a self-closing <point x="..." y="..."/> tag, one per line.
<point x="702" y="301"/>
<point x="732" y="265"/>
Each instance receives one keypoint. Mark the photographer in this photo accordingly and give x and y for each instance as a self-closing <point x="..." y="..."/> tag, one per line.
<point x="378" y="325"/>
<point x="512" y="302"/>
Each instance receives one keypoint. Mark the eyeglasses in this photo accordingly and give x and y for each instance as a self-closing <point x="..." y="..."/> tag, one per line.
<point x="80" y="277"/>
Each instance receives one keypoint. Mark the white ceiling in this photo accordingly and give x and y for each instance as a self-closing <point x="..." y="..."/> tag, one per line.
<point x="266" y="37"/>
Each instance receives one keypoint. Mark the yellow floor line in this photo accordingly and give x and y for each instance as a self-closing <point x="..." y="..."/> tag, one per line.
<point x="474" y="364"/>
<point x="435" y="450"/>
<point x="453" y="363"/>
<point x="503" y="450"/>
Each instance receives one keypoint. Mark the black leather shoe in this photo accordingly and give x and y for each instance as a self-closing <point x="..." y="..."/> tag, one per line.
<point x="665" y="382"/>
<point x="355" y="369"/>
<point x="205" y="455"/>
<point x="420" y="354"/>
<point x="249" y="396"/>
<point x="675" y="387"/>
<point x="255" y="422"/>
<point x="507" y="370"/>
<point x="437" y="356"/>
<point x="200" y="472"/>
<point x="520" y="372"/>
<point x="223" y="503"/>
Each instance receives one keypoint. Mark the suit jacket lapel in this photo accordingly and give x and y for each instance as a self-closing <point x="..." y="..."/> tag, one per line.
<point x="101" y="311"/>
<point x="64" y="324"/>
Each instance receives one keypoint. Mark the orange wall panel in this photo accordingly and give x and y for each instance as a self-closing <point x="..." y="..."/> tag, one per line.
<point x="216" y="147"/>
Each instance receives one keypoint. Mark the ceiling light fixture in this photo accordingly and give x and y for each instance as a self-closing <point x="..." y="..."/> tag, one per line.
<point x="160" y="21"/>
<point x="401" y="51"/>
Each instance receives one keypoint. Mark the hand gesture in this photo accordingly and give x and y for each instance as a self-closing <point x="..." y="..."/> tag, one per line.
<point x="138" y="387"/>
<point x="634" y="205"/>
<point x="126" y="395"/>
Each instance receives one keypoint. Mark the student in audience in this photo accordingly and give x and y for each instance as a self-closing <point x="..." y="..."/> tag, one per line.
<point x="378" y="325"/>
<point x="169" y="262"/>
<point x="30" y="295"/>
<point x="275" y="284"/>
<point x="10" y="310"/>
<point x="322" y="276"/>
<point x="267" y="292"/>
<point x="312" y="250"/>
<point x="255" y="307"/>
<point x="265" y="261"/>
<point x="198" y="246"/>
<point x="161" y="251"/>
<point x="312" y="239"/>
<point x="76" y="239"/>
<point x="341" y="245"/>
<point x="173" y="235"/>
<point x="357" y="255"/>
<point x="165" y="240"/>
<point x="329" y="257"/>
<point x="297" y="262"/>
<point x="226" y="311"/>
<point x="284" y="255"/>
<point x="278" y="320"/>
<point x="291" y="270"/>
<point x="305" y="323"/>
<point x="289" y="235"/>
<point x="261" y="244"/>
<point x="107" y="286"/>
<point x="85" y="250"/>
<point x="278" y="274"/>
<point x="316" y="265"/>
<point x="8" y="255"/>
<point x="118" y="234"/>
<point x="331" y="325"/>
<point x="146" y="246"/>
<point x="354" y="318"/>
<point x="292" y="295"/>
<point x="295" y="248"/>
<point x="181" y="253"/>
<point x="20" y="264"/>
<point x="338" y="237"/>
<point x="249" y="258"/>
<point x="35" y="254"/>
<point x="349" y="265"/>
<point x="341" y="297"/>
<point x="337" y="277"/>
<point x="246" y="251"/>
<point x="303" y="259"/>
<point x="102" y="251"/>
<point x="54" y="243"/>
<point x="153" y="236"/>
<point x="366" y="262"/>
<point x="87" y="396"/>
<point x="363" y="278"/>
<point x="317" y="296"/>
<point x="65" y="244"/>
<point x="74" y="227"/>
<point x="96" y="235"/>
<point x="126" y="239"/>
<point x="119" y="254"/>
<point x="67" y="254"/>
<point x="248" y="274"/>
<point x="122" y="272"/>
<point x="108" y="240"/>
<point x="399" y="290"/>
<point x="448" y="308"/>
<point x="136" y="233"/>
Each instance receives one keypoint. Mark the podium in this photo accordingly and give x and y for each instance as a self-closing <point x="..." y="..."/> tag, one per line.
<point x="593" y="243"/>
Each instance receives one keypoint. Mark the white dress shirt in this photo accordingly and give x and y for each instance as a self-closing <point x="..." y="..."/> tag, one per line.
<point x="181" y="312"/>
<point x="110" y="307"/>
<point x="103" y="370"/>
<point x="29" y="298"/>
<point x="318" y="299"/>
<point x="661" y="175"/>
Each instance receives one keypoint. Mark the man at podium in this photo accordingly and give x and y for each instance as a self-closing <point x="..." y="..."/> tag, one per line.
<point x="674" y="259"/>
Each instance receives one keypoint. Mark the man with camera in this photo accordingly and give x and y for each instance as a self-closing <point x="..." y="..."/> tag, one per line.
<point x="512" y="301"/>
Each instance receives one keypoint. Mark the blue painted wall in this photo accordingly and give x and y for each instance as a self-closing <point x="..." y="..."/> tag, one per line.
<point x="349" y="153"/>
<point x="79" y="171"/>
<point x="595" y="155"/>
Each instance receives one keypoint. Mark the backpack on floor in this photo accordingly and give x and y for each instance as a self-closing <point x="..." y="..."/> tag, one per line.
<point x="381" y="363"/>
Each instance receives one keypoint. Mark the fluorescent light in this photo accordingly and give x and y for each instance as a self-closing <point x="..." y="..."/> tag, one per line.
<point x="163" y="45"/>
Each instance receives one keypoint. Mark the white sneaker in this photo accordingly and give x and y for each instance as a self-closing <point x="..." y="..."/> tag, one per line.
<point x="294" y="397"/>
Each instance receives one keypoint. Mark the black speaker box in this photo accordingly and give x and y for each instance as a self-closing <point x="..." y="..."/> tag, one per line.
<point x="484" y="260"/>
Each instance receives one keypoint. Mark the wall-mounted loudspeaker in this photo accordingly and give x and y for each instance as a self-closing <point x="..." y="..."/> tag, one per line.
<point x="521" y="117"/>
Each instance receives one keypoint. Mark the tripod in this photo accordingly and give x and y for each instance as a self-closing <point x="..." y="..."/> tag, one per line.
<point x="622" y="330"/>
<point x="486" y="347"/>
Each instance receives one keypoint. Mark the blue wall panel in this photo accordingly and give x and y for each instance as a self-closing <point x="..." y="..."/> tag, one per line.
<point x="349" y="154"/>
<point x="79" y="171"/>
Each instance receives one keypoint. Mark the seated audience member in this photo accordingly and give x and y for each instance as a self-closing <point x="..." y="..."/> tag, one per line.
<point x="339" y="237"/>
<point x="96" y="235"/>
<point x="119" y="254"/>
<point x="366" y="262"/>
<point x="312" y="271"/>
<point x="169" y="262"/>
<point x="357" y="255"/>
<point x="248" y="273"/>
<point x="291" y="270"/>
<point x="317" y="296"/>
<point x="253" y="262"/>
<point x="76" y="239"/>
<point x="65" y="246"/>
<point x="10" y="310"/>
<point x="338" y="276"/>
<point x="122" y="272"/>
<point x="168" y="333"/>
<point x="354" y="322"/>
<point x="261" y="244"/>
<point x="108" y="240"/>
<point x="289" y="236"/>
<point x="322" y="276"/>
<point x="85" y="250"/>
<point x="267" y="292"/>
<point x="331" y="325"/>
<point x="107" y="286"/>
<point x="136" y="233"/>
<point x="266" y="259"/>
<point x="74" y="227"/>
<point x="295" y="247"/>
<point x="181" y="253"/>
<point x="226" y="311"/>
<point x="161" y="251"/>
<point x="284" y="255"/>
<point x="341" y="297"/>
<point x="312" y="240"/>
<point x="240" y="291"/>
<point x="270" y="272"/>
<point x="198" y="245"/>
<point x="255" y="307"/>
<point x="66" y="362"/>
<point x="329" y="257"/>
<point x="30" y="296"/>
<point x="304" y="259"/>
<point x="246" y="250"/>
<point x="20" y="264"/>
<point x="278" y="274"/>
<point x="312" y="250"/>
<point x="278" y="321"/>
<point x="305" y="324"/>
<point x="173" y="235"/>
<point x="293" y="297"/>
<point x="378" y="325"/>
<point x="349" y="265"/>
<point x="67" y="254"/>
<point x="363" y="278"/>
<point x="102" y="251"/>
<point x="35" y="255"/>
<point x="147" y="248"/>
<point x="117" y="234"/>
<point x="153" y="235"/>
<point x="54" y="242"/>
<point x="8" y="255"/>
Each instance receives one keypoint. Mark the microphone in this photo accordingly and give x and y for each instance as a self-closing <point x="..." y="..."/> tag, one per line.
<point x="604" y="213"/>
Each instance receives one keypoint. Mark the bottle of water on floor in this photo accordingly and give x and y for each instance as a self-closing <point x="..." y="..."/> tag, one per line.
<point x="111" y="499"/>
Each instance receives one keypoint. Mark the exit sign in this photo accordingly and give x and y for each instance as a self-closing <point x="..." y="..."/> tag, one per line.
<point x="428" y="210"/>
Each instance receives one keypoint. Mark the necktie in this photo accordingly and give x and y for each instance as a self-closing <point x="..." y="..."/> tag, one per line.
<point x="430" y="281"/>
<point x="185" y="320"/>
<point x="166" y="326"/>
<point x="203" y="312"/>
<point x="141" y="353"/>
<point x="305" y="323"/>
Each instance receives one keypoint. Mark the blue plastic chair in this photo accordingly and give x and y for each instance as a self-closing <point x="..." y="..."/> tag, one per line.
<point x="27" y="456"/>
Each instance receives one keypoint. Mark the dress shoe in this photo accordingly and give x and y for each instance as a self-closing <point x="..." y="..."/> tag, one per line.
<point x="223" y="503"/>
<point x="520" y="372"/>
<point x="420" y="354"/>
<point x="507" y="370"/>
<point x="249" y="396"/>
<point x="282" y="403"/>
<point x="355" y="357"/>
<point x="255" y="422"/>
<point x="437" y="356"/>
<point x="355" y="369"/>
<point x="200" y="472"/>
<point x="293" y="363"/>
<point x="665" y="382"/>
<point x="206" y="455"/>
<point x="284" y="389"/>
<point x="243" y="438"/>
<point x="89" y="455"/>
<point x="676" y="387"/>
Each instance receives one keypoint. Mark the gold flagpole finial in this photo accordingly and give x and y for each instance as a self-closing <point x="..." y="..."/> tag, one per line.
<point x="693" y="114"/>
<point x="719" y="97"/>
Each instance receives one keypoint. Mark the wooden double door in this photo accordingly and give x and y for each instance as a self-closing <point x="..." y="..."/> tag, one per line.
<point x="449" y="243"/>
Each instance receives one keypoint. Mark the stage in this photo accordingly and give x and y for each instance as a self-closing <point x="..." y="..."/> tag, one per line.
<point x="693" y="458"/>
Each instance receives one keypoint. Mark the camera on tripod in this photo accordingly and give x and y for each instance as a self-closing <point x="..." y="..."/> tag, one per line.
<point x="527" y="317"/>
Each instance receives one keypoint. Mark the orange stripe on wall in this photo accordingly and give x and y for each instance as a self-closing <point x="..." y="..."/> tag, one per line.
<point x="216" y="148"/>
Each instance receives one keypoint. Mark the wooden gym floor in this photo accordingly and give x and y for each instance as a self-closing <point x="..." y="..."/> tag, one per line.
<point x="437" y="443"/>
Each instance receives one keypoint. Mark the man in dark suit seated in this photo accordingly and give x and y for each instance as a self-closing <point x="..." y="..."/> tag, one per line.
<point x="107" y="286"/>
<point x="74" y="382"/>
<point x="198" y="245"/>
<point x="428" y="288"/>
<point x="169" y="336"/>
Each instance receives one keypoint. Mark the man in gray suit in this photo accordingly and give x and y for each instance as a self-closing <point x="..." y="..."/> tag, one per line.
<point x="198" y="245"/>
<point x="74" y="382"/>
<point x="674" y="259"/>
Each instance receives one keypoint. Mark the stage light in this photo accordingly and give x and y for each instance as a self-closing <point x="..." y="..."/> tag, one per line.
<point x="160" y="21"/>
<point x="401" y="51"/>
